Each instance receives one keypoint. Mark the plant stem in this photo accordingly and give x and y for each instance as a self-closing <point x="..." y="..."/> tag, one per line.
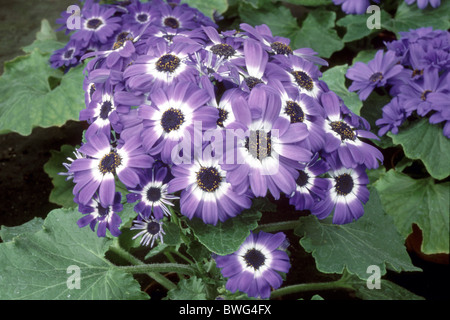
<point x="166" y="283"/>
<point x="160" y="267"/>
<point x="332" y="285"/>
<point x="278" y="226"/>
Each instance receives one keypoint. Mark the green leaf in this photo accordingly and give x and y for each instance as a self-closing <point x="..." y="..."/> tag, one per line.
<point x="46" y="40"/>
<point x="317" y="32"/>
<point x="411" y="17"/>
<point x="422" y="202"/>
<point x="278" y="18"/>
<point x="209" y="7"/>
<point x="225" y="237"/>
<point x="364" y="56"/>
<point x="425" y="141"/>
<point x="356" y="25"/>
<point x="371" y="240"/>
<point x="387" y="291"/>
<point x="29" y="227"/>
<point x="188" y="289"/>
<point x="61" y="193"/>
<point x="36" y="266"/>
<point x="335" y="79"/>
<point x="28" y="100"/>
<point x="173" y="234"/>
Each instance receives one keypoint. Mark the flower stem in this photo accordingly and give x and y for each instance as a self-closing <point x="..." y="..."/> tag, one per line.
<point x="332" y="285"/>
<point x="278" y="226"/>
<point x="117" y="249"/>
<point x="160" y="267"/>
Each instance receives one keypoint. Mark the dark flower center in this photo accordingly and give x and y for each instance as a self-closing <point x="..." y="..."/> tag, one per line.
<point x="172" y="119"/>
<point x="94" y="23"/>
<point x="294" y="111"/>
<point x="208" y="179"/>
<point x="223" y="50"/>
<point x="102" y="212"/>
<point x="376" y="77"/>
<point x="303" y="80"/>
<point x="121" y="39"/>
<point x="105" y="109"/>
<point x="254" y="258"/>
<point x="110" y="162"/>
<point x="259" y="144"/>
<point x="223" y="115"/>
<point x="91" y="90"/>
<point x="252" y="82"/>
<point x="344" y="184"/>
<point x="167" y="63"/>
<point x="424" y="95"/>
<point x="153" y="194"/>
<point x="142" y="17"/>
<point x="417" y="73"/>
<point x="171" y="23"/>
<point x="153" y="227"/>
<point x="302" y="179"/>
<point x="343" y="130"/>
<point x="281" y="48"/>
<point x="68" y="54"/>
<point x="168" y="37"/>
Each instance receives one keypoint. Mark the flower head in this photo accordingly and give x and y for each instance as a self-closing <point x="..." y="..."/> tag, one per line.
<point x="151" y="229"/>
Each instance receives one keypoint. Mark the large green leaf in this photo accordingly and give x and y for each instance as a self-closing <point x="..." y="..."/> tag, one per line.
<point x="29" y="227"/>
<point x="188" y="289"/>
<point x="28" y="100"/>
<point x="318" y="32"/>
<point x="371" y="240"/>
<point x="36" y="266"/>
<point x="411" y="17"/>
<point x="356" y="25"/>
<point x="209" y="7"/>
<point x="422" y="202"/>
<point x="311" y="3"/>
<point x="278" y="18"/>
<point x="425" y="141"/>
<point x="225" y="237"/>
<point x="46" y="40"/>
<point x="335" y="79"/>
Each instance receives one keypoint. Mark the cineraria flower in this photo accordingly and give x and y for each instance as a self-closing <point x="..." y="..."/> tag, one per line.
<point x="162" y="65"/>
<point x="442" y="114"/>
<point x="152" y="193"/>
<point x="346" y="196"/>
<point x="310" y="187"/>
<point x="298" y="74"/>
<point x="354" y="6"/>
<point x="256" y="61"/>
<point x="254" y="268"/>
<point x="227" y="47"/>
<point x="422" y="4"/>
<point x="68" y="56"/>
<point x="376" y="73"/>
<point x="151" y="230"/>
<point x="177" y="16"/>
<point x="393" y="117"/>
<point x="96" y="172"/>
<point x="413" y="94"/>
<point x="175" y="114"/>
<point x="105" y="214"/>
<point x="267" y="150"/>
<point x="206" y="194"/>
<point x="98" y="24"/>
<point x="342" y="138"/>
<point x="140" y="14"/>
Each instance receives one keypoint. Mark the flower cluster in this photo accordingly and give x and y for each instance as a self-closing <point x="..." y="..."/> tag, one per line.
<point x="415" y="71"/>
<point x="360" y="6"/>
<point x="180" y="113"/>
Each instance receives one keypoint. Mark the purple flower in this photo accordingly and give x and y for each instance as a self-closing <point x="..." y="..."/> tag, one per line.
<point x="354" y="6"/>
<point x="98" y="25"/>
<point x="97" y="172"/>
<point x="393" y="117"/>
<point x="376" y="73"/>
<point x="422" y="4"/>
<point x="151" y="193"/>
<point x="254" y="268"/>
<point x="347" y="193"/>
<point x="104" y="214"/>
<point x="207" y="193"/>
<point x="267" y="149"/>
<point x="69" y="56"/>
<point x="151" y="229"/>
<point x="343" y="139"/>
<point x="176" y="114"/>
